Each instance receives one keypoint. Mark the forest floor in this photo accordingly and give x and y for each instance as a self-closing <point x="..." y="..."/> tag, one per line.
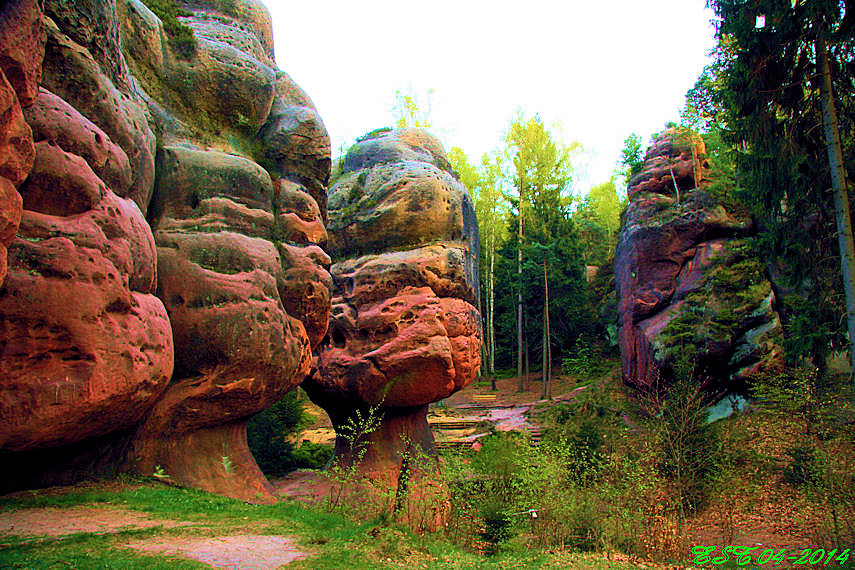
<point x="141" y="523"/>
<point x="137" y="523"/>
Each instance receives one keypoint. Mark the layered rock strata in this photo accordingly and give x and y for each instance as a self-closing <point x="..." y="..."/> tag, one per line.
<point x="168" y="280"/>
<point x="404" y="330"/>
<point x="689" y="288"/>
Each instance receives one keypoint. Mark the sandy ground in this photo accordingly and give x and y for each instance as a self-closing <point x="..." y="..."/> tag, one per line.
<point x="235" y="551"/>
<point x="52" y="521"/>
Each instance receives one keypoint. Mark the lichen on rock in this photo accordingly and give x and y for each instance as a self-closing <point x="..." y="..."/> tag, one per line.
<point x="689" y="286"/>
<point x="404" y="328"/>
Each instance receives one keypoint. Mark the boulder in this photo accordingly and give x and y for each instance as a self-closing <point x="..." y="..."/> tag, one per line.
<point x="688" y="286"/>
<point x="22" y="47"/>
<point x="105" y="97"/>
<point x="17" y="154"/>
<point x="143" y="323"/>
<point x="238" y="349"/>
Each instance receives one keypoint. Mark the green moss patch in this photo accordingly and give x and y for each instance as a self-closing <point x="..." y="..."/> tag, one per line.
<point x="181" y="37"/>
<point x="721" y="309"/>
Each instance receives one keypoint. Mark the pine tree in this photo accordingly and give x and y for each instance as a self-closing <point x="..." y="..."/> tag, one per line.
<point x="776" y="100"/>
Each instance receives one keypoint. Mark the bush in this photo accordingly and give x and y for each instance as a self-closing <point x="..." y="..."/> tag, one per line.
<point x="180" y="36"/>
<point x="686" y="442"/>
<point x="497" y="524"/>
<point x="582" y="361"/>
<point x="267" y="435"/>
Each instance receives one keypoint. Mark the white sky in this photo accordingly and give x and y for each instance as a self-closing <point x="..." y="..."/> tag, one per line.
<point x="601" y="68"/>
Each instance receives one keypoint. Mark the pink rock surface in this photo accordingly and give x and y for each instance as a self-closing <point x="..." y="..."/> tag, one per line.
<point x="87" y="346"/>
<point x="22" y="47"/>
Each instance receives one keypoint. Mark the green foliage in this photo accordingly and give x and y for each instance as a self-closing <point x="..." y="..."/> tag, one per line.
<point x="734" y="286"/>
<point x="762" y="93"/>
<point x="819" y="464"/>
<point x="598" y="218"/>
<point x="370" y="135"/>
<point x="802" y="468"/>
<point x="541" y="177"/>
<point x="330" y="540"/>
<point x="466" y="172"/>
<point x="268" y="437"/>
<point x="497" y="524"/>
<point x="346" y="494"/>
<point x="582" y="360"/>
<point x="631" y="156"/>
<point x="586" y="494"/>
<point x="686" y="442"/>
<point x="180" y="36"/>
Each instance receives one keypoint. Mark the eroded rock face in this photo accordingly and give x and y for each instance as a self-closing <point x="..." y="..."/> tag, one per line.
<point x="22" y="44"/>
<point x="85" y="345"/>
<point x="240" y="264"/>
<point x="404" y="330"/>
<point x="687" y="284"/>
<point x="143" y="323"/>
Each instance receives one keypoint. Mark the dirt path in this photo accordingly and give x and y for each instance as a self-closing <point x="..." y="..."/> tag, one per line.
<point x="51" y="521"/>
<point x="233" y="551"/>
<point x="237" y="549"/>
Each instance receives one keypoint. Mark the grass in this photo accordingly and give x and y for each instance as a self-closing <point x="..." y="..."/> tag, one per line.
<point x="617" y="499"/>
<point x="331" y="540"/>
<point x="181" y="37"/>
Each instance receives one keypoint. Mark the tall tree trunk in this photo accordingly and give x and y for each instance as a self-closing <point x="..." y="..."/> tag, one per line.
<point x="548" y="345"/>
<point x="841" y="196"/>
<point x="543" y="379"/>
<point x="492" y="299"/>
<point x="526" y="363"/>
<point x="519" y="302"/>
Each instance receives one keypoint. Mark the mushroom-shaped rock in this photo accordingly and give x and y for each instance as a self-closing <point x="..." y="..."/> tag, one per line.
<point x="232" y="284"/>
<point x="404" y="328"/>
<point x="688" y="286"/>
<point x="240" y="265"/>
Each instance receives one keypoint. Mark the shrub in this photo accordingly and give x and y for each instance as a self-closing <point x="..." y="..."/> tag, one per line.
<point x="268" y="437"/>
<point x="180" y="36"/>
<point x="582" y="360"/>
<point x="686" y="442"/>
<point x="497" y="524"/>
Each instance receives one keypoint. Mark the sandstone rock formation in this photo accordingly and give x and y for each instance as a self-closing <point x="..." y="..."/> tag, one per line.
<point x="85" y="345"/>
<point x="404" y="330"/>
<point x="194" y="173"/>
<point x="240" y="268"/>
<point x="687" y="284"/>
<point x="22" y="44"/>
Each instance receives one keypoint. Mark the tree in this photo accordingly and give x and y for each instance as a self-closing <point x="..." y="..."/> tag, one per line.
<point x="466" y="172"/>
<point x="598" y="217"/>
<point x="541" y="175"/>
<point x="412" y="110"/>
<point x="777" y="89"/>
<point x="485" y="183"/>
<point x="631" y="156"/>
